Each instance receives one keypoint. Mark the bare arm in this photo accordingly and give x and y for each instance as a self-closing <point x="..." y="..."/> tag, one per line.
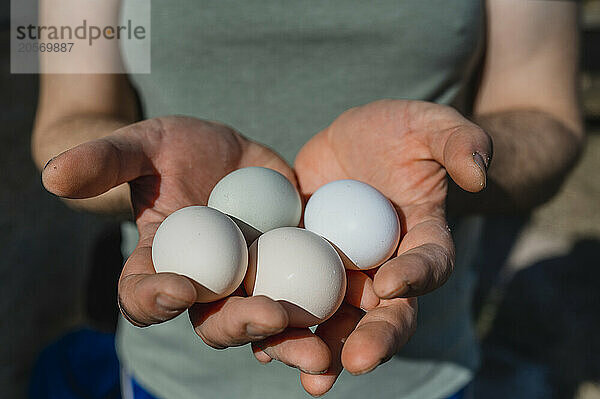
<point x="156" y="166"/>
<point x="77" y="108"/>
<point x="73" y="109"/>
<point x="527" y="102"/>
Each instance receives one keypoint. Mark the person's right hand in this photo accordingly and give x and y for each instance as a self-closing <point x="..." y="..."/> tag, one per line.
<point x="171" y="163"/>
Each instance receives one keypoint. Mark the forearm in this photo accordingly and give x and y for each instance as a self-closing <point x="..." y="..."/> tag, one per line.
<point x="533" y="153"/>
<point x="52" y="138"/>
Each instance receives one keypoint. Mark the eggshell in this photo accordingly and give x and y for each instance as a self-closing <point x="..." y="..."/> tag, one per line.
<point x="300" y="270"/>
<point x="258" y="199"/>
<point x="205" y="245"/>
<point x="357" y="219"/>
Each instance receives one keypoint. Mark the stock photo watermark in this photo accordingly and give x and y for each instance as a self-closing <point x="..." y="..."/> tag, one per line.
<point x="80" y="36"/>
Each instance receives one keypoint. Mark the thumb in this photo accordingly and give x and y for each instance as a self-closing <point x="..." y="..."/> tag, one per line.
<point x="465" y="151"/>
<point x="94" y="167"/>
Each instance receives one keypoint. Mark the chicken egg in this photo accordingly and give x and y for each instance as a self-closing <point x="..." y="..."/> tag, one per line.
<point x="258" y="199"/>
<point x="204" y="245"/>
<point x="299" y="269"/>
<point x="359" y="220"/>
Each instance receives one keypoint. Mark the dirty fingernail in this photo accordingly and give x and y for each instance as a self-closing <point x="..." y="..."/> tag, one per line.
<point x="481" y="161"/>
<point x="482" y="164"/>
<point x="312" y="372"/>
<point x="48" y="163"/>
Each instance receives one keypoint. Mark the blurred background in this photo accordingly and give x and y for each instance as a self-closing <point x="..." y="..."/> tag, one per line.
<point x="537" y="306"/>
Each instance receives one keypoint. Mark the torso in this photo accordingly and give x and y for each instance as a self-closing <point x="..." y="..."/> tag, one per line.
<point x="279" y="72"/>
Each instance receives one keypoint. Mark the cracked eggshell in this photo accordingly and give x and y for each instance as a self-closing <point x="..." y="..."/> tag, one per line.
<point x="205" y="245"/>
<point x="258" y="199"/>
<point x="358" y="219"/>
<point x="300" y="270"/>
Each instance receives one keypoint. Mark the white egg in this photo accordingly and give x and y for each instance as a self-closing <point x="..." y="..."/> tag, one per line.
<point x="258" y="199"/>
<point x="357" y="219"/>
<point x="300" y="270"/>
<point x="205" y="245"/>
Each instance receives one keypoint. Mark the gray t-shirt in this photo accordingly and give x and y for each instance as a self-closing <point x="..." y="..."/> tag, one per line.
<point x="279" y="72"/>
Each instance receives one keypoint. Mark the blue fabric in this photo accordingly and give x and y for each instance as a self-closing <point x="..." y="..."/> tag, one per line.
<point x="139" y="392"/>
<point x="81" y="365"/>
<point x="462" y="394"/>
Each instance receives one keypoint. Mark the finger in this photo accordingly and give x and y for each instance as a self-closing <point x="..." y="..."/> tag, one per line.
<point x="379" y="335"/>
<point x="296" y="347"/>
<point x="334" y="333"/>
<point x="148" y="298"/>
<point x="94" y="167"/>
<point x="115" y="202"/>
<point x="359" y="291"/>
<point x="465" y="150"/>
<point x="261" y="356"/>
<point x="154" y="298"/>
<point x="425" y="261"/>
<point x="235" y="320"/>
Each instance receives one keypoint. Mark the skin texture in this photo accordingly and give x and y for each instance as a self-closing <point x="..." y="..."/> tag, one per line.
<point x="157" y="158"/>
<point x="527" y="102"/>
<point x="73" y="109"/>
<point x="406" y="149"/>
<point x="540" y="151"/>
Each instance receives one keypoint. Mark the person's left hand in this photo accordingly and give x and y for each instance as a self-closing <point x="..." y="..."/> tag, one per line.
<point x="404" y="149"/>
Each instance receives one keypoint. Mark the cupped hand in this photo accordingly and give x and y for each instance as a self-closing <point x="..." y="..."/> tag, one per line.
<point x="405" y="149"/>
<point x="171" y="163"/>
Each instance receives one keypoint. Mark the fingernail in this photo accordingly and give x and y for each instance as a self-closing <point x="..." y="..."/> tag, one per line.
<point x="312" y="372"/>
<point x="482" y="164"/>
<point x="170" y="303"/>
<point x="256" y="331"/>
<point x="482" y="161"/>
<point x="369" y="302"/>
<point x="401" y="291"/>
<point x="367" y="370"/>
<point x="48" y="163"/>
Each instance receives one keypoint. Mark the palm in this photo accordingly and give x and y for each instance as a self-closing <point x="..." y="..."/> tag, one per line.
<point x="170" y="163"/>
<point x="397" y="146"/>
<point x="404" y="149"/>
<point x="192" y="157"/>
<point x="384" y="144"/>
